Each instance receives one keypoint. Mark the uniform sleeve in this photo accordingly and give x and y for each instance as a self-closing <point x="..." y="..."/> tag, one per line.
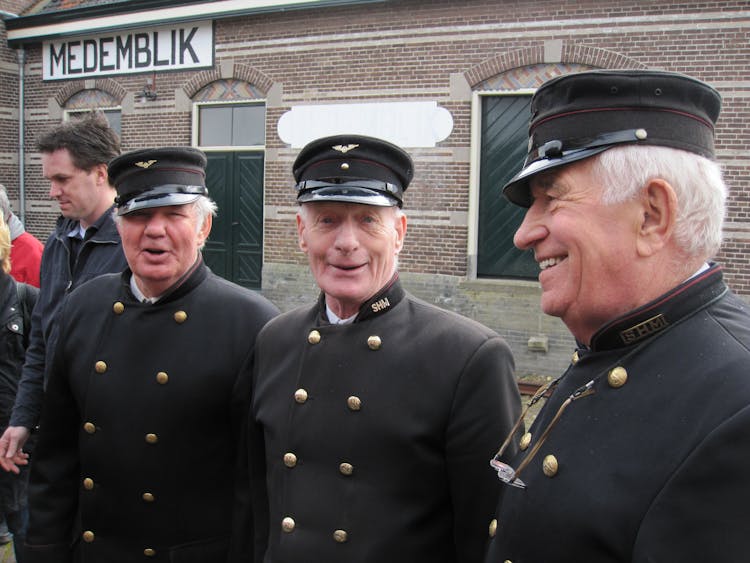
<point x="54" y="473"/>
<point x="31" y="385"/>
<point x="250" y="516"/>
<point x="485" y="407"/>
<point x="701" y="512"/>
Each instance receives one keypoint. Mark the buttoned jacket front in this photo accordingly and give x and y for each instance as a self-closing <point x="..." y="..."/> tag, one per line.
<point x="378" y="433"/>
<point x="650" y="467"/>
<point x="137" y="450"/>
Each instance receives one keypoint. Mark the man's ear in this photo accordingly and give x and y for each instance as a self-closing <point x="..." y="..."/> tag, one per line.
<point x="657" y="218"/>
<point x="300" y="238"/>
<point x="102" y="174"/>
<point x="205" y="229"/>
<point x="400" y="231"/>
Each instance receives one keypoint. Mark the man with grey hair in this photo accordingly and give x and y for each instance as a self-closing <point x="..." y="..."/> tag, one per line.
<point x="642" y="449"/>
<point x="26" y="250"/>
<point x="148" y="389"/>
<point x="378" y="409"/>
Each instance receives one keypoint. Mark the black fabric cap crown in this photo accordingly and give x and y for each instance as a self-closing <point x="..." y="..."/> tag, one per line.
<point x="354" y="169"/>
<point x="576" y="116"/>
<point x="158" y="177"/>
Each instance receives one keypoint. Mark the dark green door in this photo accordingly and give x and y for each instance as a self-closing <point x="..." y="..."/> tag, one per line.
<point x="235" y="247"/>
<point x="505" y="122"/>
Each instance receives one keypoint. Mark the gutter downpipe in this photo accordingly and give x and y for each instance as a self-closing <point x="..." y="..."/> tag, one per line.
<point x="21" y="134"/>
<point x="21" y="54"/>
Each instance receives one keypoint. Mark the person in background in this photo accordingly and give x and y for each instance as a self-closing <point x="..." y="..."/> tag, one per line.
<point x="137" y="454"/>
<point x="641" y="452"/>
<point x="26" y="249"/>
<point x="83" y="245"/>
<point x="378" y="410"/>
<point x="17" y="299"/>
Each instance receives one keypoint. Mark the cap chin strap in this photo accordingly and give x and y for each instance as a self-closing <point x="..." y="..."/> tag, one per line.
<point x="378" y="185"/>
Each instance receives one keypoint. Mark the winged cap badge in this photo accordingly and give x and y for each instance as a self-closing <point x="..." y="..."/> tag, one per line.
<point x="344" y="148"/>
<point x="145" y="163"/>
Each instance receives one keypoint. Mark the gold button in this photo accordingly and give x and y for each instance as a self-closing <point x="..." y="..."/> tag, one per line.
<point x="641" y="134"/>
<point x="290" y="460"/>
<point x="374" y="342"/>
<point x="344" y="166"/>
<point x="575" y="358"/>
<point x="525" y="441"/>
<point x="88" y="483"/>
<point x="617" y="377"/>
<point x="89" y="428"/>
<point x="180" y="317"/>
<point x="88" y="536"/>
<point x="354" y="403"/>
<point x="100" y="366"/>
<point x="493" y="527"/>
<point x="288" y="524"/>
<point x="340" y="536"/>
<point x="152" y="438"/>
<point x="346" y="468"/>
<point x="507" y="561"/>
<point x="313" y="337"/>
<point x="162" y="378"/>
<point x="148" y="552"/>
<point x="148" y="497"/>
<point x="118" y="308"/>
<point x="550" y="465"/>
<point x="300" y="395"/>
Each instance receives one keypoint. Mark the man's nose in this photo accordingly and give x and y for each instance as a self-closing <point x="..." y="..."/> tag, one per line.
<point x="346" y="237"/>
<point x="531" y="230"/>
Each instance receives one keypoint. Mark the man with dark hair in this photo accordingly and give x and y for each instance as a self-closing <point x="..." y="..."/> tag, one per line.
<point x="641" y="452"/>
<point x="84" y="244"/>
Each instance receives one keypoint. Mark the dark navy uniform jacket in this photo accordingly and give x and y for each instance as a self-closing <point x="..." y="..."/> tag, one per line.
<point x="653" y="466"/>
<point x="378" y="433"/>
<point x="137" y="449"/>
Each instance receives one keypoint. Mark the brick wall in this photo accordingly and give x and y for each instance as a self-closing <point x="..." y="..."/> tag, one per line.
<point x="416" y="50"/>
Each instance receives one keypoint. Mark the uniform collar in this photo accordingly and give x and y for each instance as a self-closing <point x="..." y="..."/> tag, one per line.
<point x="660" y="314"/>
<point x="191" y="279"/>
<point x="383" y="301"/>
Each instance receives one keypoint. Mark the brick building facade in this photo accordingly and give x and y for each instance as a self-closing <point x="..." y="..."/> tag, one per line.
<point x="437" y="65"/>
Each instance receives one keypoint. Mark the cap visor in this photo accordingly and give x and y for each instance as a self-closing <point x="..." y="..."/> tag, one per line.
<point x="348" y="194"/>
<point x="160" y="200"/>
<point x="517" y="188"/>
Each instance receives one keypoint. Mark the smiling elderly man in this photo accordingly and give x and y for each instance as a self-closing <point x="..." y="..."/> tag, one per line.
<point x="379" y="410"/>
<point x="148" y="390"/>
<point x="641" y="453"/>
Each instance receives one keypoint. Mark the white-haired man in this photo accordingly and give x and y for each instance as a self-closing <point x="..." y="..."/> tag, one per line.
<point x="640" y="453"/>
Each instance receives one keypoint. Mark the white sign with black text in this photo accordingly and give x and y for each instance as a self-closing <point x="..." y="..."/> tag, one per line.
<point x="176" y="47"/>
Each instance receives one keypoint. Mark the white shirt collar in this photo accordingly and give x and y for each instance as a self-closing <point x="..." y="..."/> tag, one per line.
<point x="139" y="294"/>
<point x="335" y="320"/>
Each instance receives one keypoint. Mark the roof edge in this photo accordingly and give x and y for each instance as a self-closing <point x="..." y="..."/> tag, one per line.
<point x="38" y="27"/>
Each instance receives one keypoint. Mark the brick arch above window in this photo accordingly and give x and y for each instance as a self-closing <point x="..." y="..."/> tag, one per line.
<point x="89" y="99"/>
<point x="78" y="89"/>
<point x="242" y="82"/>
<point x="227" y="90"/>
<point x="530" y="67"/>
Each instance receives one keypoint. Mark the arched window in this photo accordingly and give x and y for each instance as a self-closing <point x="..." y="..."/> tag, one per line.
<point x="230" y="113"/>
<point x="87" y="101"/>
